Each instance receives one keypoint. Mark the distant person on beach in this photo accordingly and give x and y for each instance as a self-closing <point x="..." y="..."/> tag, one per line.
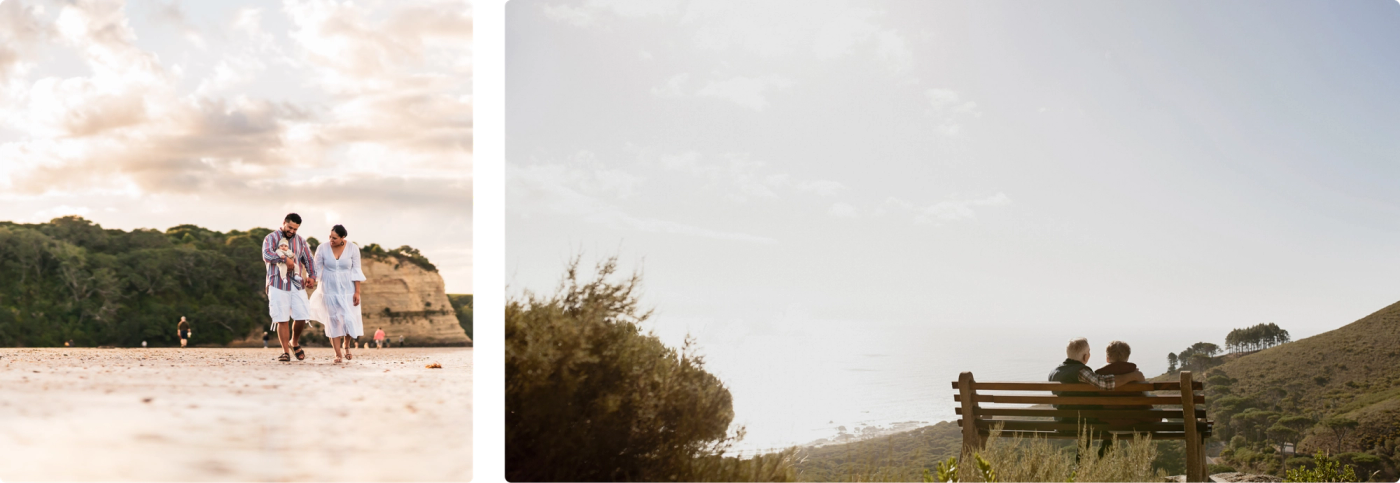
<point x="182" y="330"/>
<point x="400" y="341"/>
<point x="379" y="338"/>
<point x="264" y="339"/>
<point x="336" y="304"/>
<point x="1118" y="365"/>
<point x="286" y="298"/>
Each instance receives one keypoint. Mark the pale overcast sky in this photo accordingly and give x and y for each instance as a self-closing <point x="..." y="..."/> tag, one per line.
<point x="1076" y="168"/>
<point x="228" y="115"/>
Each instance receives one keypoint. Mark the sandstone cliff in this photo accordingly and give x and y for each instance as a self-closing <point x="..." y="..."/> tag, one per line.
<point x="402" y="298"/>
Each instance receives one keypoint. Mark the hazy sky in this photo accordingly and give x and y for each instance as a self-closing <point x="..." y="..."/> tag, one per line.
<point x="1072" y="168"/>
<point x="228" y="115"/>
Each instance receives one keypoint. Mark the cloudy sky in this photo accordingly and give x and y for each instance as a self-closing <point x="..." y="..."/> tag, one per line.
<point x="1105" y="169"/>
<point x="228" y="115"/>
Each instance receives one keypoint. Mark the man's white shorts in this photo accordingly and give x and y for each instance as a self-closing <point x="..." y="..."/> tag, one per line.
<point x="283" y="305"/>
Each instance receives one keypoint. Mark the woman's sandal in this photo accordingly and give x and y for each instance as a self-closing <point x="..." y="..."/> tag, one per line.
<point x="337" y="360"/>
<point x="284" y="358"/>
<point x="301" y="355"/>
<point x="348" y="356"/>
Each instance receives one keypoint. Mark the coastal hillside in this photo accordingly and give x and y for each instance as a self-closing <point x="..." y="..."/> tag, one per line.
<point x="1352" y="372"/>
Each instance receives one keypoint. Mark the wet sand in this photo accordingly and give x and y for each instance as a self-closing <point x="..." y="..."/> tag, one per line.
<point x="204" y="414"/>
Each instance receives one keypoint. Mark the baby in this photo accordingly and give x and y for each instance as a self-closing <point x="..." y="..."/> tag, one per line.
<point x="284" y="251"/>
<point x="1118" y="352"/>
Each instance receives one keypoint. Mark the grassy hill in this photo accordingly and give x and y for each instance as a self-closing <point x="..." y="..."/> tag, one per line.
<point x="1352" y="372"/>
<point x="896" y="457"/>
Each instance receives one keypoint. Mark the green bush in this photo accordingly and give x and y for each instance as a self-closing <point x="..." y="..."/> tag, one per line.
<point x="1213" y="469"/>
<point x="1298" y="462"/>
<point x="1323" y="469"/>
<point x="1171" y="457"/>
<point x="589" y="397"/>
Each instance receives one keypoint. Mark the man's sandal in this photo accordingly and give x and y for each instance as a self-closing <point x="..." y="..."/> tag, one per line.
<point x="301" y="355"/>
<point x="284" y="358"/>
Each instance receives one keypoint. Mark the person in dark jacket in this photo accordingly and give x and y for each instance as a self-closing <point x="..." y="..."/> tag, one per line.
<point x="1117" y="355"/>
<point x="1075" y="369"/>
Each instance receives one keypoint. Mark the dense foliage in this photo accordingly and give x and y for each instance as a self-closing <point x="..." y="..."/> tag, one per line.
<point x="1262" y="336"/>
<point x="589" y="397"/>
<point x="462" y="305"/>
<point x="1199" y="357"/>
<point x="70" y="279"/>
<point x="401" y="254"/>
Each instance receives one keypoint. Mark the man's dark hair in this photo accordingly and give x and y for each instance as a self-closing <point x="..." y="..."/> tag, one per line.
<point x="339" y="230"/>
<point x="293" y="217"/>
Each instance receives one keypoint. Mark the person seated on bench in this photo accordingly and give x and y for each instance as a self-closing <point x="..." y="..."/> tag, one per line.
<point x="1118" y="365"/>
<point x="1075" y="369"/>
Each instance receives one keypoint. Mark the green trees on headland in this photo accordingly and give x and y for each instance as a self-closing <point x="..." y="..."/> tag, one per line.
<point x="70" y="279"/>
<point x="1262" y="336"/>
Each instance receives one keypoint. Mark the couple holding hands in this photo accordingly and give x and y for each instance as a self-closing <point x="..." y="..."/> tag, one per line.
<point x="332" y="272"/>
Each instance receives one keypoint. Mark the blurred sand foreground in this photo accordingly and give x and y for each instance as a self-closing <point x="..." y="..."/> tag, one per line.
<point x="203" y="414"/>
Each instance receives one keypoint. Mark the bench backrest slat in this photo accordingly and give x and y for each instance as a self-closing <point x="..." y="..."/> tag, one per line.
<point x="1100" y="400"/>
<point x="1058" y="386"/>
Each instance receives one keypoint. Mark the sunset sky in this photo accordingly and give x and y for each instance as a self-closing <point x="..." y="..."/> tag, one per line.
<point x="897" y="178"/>
<point x="228" y="115"/>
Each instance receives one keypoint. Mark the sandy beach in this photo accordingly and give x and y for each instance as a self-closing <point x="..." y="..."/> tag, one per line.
<point x="203" y="414"/>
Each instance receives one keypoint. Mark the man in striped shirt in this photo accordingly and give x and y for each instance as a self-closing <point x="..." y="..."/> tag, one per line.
<point x="286" y="298"/>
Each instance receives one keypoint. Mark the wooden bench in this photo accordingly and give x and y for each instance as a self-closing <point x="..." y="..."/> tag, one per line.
<point x="971" y="395"/>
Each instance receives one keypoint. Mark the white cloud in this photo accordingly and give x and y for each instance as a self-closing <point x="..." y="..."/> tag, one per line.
<point x="842" y="210"/>
<point x="822" y="187"/>
<point x="959" y="210"/>
<point x="675" y="87"/>
<point x="892" y="204"/>
<point x="637" y="8"/>
<point x="743" y="179"/>
<point x="891" y="48"/>
<point x="552" y="190"/>
<point x="132" y="129"/>
<point x="950" y="110"/>
<point x="576" y="16"/>
<point x="747" y="92"/>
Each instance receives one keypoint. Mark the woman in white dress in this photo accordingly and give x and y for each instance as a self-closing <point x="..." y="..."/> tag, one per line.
<point x="336" y="302"/>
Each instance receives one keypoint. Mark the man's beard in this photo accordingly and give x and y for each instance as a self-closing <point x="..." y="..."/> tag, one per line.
<point x="287" y="235"/>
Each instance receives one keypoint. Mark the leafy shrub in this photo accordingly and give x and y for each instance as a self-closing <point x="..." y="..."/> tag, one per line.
<point x="1213" y="469"/>
<point x="1171" y="457"/>
<point x="591" y="398"/>
<point x="1323" y="469"/>
<point x="1298" y="462"/>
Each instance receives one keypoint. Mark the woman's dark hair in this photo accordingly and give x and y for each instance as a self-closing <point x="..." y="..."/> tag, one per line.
<point x="339" y="230"/>
<point x="293" y="217"/>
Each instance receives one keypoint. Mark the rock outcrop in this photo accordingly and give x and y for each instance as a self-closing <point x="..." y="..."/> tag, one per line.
<point x="402" y="298"/>
<point x="405" y="299"/>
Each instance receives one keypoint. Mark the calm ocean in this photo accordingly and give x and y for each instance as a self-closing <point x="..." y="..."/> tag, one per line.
<point x="799" y="383"/>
